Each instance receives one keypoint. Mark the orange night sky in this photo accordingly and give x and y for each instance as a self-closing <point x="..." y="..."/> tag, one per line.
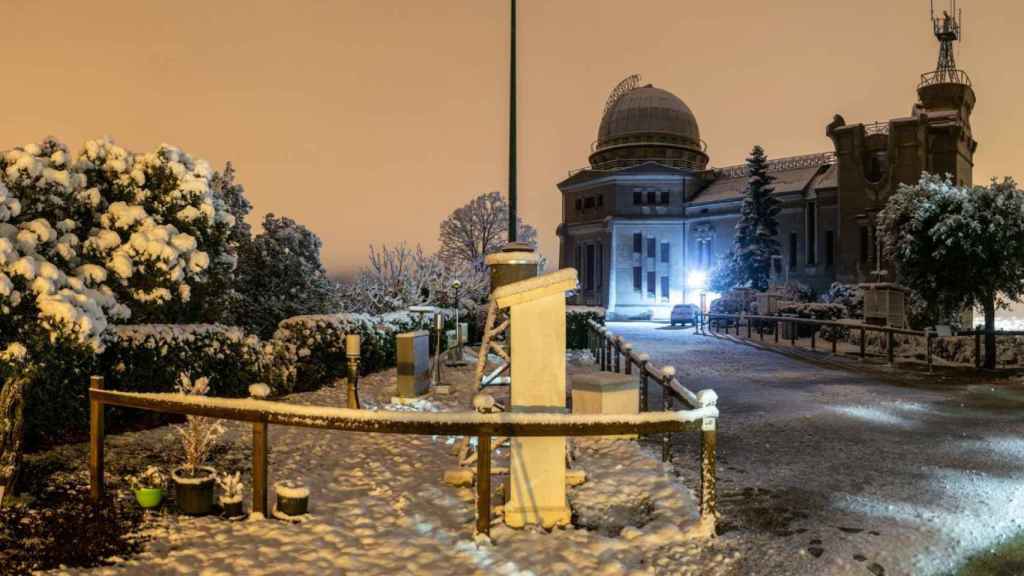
<point x="369" y="121"/>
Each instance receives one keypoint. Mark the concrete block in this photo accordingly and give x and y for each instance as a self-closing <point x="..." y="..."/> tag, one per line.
<point x="606" y="393"/>
<point x="413" y="363"/>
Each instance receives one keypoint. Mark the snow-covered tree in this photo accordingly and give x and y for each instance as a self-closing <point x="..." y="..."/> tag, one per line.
<point x="958" y="246"/>
<point x="758" y="225"/>
<point x="725" y="275"/>
<point x="158" y="227"/>
<point x="479" y="228"/>
<point x="400" y="276"/>
<point x="84" y="241"/>
<point x="280" y="275"/>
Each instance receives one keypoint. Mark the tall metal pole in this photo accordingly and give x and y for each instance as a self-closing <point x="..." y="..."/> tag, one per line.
<point x="512" y="136"/>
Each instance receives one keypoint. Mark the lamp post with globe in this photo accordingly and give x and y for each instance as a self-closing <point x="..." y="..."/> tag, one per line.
<point x="697" y="280"/>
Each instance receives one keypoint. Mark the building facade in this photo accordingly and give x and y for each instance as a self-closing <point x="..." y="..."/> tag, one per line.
<point x="647" y="219"/>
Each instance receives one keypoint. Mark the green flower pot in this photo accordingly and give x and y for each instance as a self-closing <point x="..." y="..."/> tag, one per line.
<point x="149" y="497"/>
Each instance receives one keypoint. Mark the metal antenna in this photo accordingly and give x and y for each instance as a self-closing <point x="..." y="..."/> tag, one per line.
<point x="947" y="30"/>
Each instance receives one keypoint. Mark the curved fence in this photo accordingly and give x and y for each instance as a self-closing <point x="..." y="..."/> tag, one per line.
<point x="263" y="413"/>
<point x="614" y="354"/>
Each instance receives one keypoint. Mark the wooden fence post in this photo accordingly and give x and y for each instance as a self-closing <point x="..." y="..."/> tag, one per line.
<point x="608" y="350"/>
<point x="929" y="346"/>
<point x="642" y="365"/>
<point x="627" y="349"/>
<point x="835" y="338"/>
<point x="96" y="436"/>
<point x="892" y="346"/>
<point x="260" y="467"/>
<point x="760" y="330"/>
<point x="748" y="328"/>
<point x="708" y="434"/>
<point x="778" y="328"/>
<point x="618" y="354"/>
<point x="666" y="441"/>
<point x="483" y="485"/>
<point x="977" y="348"/>
<point x="814" y="336"/>
<point x="793" y="329"/>
<point x="863" y="342"/>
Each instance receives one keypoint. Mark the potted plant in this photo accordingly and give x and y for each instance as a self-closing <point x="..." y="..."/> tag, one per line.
<point x="149" y="487"/>
<point x="231" y="494"/>
<point x="193" y="481"/>
<point x="292" y="498"/>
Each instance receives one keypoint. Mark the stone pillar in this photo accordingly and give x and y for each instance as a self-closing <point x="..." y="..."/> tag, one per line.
<point x="537" y="467"/>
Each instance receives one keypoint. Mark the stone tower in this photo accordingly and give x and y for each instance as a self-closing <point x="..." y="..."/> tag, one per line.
<point x="874" y="159"/>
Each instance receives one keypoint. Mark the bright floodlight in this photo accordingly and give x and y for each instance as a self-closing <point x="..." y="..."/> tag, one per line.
<point x="696" y="279"/>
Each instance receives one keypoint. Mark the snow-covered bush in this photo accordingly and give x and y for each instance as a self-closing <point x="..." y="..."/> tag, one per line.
<point x="817" y="311"/>
<point x="850" y="296"/>
<point x="794" y="291"/>
<point x="318" y="343"/>
<point x="150" y="357"/>
<point x="199" y="433"/>
<point x="577" y="327"/>
<point x="231" y="487"/>
<point x="151" y="477"/>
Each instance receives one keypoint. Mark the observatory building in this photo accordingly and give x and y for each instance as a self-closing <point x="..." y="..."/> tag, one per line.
<point x="648" y="218"/>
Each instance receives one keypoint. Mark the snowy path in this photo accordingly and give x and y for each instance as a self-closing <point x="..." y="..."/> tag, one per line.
<point x="378" y="506"/>
<point x="826" y="471"/>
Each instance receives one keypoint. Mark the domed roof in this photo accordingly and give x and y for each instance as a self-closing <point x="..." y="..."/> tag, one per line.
<point x="648" y="110"/>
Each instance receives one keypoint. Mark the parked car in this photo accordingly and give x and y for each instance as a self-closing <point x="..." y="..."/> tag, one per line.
<point x="684" y="314"/>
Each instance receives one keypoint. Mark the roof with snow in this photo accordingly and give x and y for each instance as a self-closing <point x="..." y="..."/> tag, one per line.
<point x="792" y="174"/>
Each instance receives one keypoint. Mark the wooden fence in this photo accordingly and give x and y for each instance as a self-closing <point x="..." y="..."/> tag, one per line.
<point x="613" y="354"/>
<point x="263" y="413"/>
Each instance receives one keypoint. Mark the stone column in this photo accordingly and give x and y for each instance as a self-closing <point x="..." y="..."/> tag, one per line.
<point x="537" y="468"/>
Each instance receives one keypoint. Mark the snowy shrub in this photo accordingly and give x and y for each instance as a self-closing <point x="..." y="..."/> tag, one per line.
<point x="150" y="357"/>
<point x="231" y="487"/>
<point x="151" y="477"/>
<point x="318" y="343"/>
<point x="577" y="327"/>
<point x="794" y="291"/>
<point x="199" y="433"/>
<point x="850" y="296"/>
<point x="727" y="306"/>
<point x="817" y="311"/>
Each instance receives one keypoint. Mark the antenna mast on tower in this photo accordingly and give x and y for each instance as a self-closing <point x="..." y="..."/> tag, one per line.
<point x="947" y="31"/>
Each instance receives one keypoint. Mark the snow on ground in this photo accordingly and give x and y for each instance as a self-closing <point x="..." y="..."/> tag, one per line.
<point x="378" y="506"/>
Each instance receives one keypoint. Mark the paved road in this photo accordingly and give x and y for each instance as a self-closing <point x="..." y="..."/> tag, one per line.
<point x="838" y="471"/>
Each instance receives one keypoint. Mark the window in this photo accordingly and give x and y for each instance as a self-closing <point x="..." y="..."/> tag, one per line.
<point x="579" y="204"/>
<point x="599" y="200"/>
<point x="600" y="265"/>
<point x="792" y="250"/>
<point x="637" y="198"/>
<point x="588" y="203"/>
<point x="638" y="243"/>
<point x="812" y="233"/>
<point x="830" y="248"/>
<point x="664" y="252"/>
<point x="864" y="245"/>
<point x="664" y="288"/>
<point x="650" y="247"/>
<point x="650" y="284"/>
<point x="637" y="279"/>
<point x="664" y="197"/>
<point x="590" y="268"/>
<point x="650" y="197"/>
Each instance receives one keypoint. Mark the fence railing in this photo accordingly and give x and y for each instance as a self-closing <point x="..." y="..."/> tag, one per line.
<point x="613" y="354"/>
<point x="484" y="426"/>
<point x="775" y="324"/>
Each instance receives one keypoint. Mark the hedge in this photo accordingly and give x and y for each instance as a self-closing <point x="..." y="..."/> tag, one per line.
<point x="576" y="318"/>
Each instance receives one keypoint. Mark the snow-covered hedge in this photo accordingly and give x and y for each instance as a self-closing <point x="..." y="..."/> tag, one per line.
<point x="817" y="311"/>
<point x="150" y="357"/>
<point x="576" y="318"/>
<point x="850" y="296"/>
<point x="317" y="343"/>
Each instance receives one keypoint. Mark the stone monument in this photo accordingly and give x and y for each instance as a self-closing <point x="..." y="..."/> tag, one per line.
<point x="537" y="476"/>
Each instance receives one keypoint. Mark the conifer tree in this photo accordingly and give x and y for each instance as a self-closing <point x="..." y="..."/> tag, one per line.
<point x="758" y="225"/>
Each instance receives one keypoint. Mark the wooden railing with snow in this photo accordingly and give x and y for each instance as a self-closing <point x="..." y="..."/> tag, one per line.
<point x="714" y="323"/>
<point x="614" y="354"/>
<point x="263" y="413"/>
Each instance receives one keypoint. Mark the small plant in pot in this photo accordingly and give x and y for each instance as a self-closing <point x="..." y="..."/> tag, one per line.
<point x="231" y="494"/>
<point x="292" y="499"/>
<point x="148" y="487"/>
<point x="193" y="482"/>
